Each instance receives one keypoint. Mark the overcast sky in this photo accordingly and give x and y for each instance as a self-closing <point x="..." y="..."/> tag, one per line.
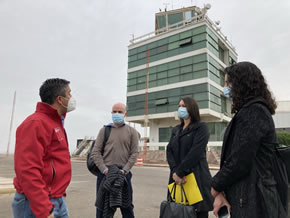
<point x="85" y="42"/>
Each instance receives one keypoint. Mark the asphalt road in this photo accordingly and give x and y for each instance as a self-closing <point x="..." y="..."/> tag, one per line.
<point x="149" y="185"/>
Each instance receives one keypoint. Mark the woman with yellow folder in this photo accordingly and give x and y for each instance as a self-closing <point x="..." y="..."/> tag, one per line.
<point x="186" y="153"/>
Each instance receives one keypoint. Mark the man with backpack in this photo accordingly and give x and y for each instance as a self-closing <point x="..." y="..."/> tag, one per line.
<point x="119" y="149"/>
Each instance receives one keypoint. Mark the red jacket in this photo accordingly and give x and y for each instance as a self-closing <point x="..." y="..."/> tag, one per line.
<point x="41" y="159"/>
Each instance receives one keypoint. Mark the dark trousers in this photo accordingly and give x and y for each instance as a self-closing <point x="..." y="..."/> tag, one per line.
<point x="202" y="214"/>
<point x="126" y="212"/>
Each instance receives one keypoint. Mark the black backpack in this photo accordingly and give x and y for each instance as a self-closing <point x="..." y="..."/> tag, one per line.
<point x="90" y="162"/>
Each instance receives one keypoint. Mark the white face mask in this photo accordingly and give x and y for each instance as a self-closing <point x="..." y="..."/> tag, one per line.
<point x="72" y="104"/>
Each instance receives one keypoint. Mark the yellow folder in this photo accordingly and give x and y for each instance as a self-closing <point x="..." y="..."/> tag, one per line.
<point x="190" y="188"/>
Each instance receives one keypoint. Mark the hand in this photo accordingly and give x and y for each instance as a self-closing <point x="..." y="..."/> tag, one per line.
<point x="106" y="171"/>
<point x="219" y="202"/>
<point x="123" y="172"/>
<point x="177" y="179"/>
<point x="51" y="216"/>
<point x="213" y="192"/>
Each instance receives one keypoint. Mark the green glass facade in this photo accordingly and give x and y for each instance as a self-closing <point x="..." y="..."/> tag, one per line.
<point x="200" y="64"/>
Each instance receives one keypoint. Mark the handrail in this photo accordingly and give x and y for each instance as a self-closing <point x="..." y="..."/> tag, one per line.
<point x="194" y="20"/>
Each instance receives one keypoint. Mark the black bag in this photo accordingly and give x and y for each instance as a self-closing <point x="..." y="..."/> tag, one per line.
<point x="90" y="162"/>
<point x="170" y="209"/>
<point x="284" y="153"/>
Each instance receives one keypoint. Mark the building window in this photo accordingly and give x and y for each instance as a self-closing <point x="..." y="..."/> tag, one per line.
<point x="161" y="101"/>
<point x="164" y="134"/>
<point x="217" y="131"/>
<point x="186" y="41"/>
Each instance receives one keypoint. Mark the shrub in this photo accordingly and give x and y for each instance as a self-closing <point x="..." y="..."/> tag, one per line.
<point x="283" y="138"/>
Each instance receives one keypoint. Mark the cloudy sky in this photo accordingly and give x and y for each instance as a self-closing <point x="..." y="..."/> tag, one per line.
<point x="85" y="41"/>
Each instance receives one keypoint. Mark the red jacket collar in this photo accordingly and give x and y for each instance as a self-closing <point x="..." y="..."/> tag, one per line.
<point x="47" y="109"/>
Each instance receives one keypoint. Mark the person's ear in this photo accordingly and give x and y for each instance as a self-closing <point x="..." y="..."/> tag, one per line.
<point x="125" y="114"/>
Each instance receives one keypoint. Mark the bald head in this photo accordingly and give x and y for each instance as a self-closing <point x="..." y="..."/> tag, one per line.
<point x="119" y="108"/>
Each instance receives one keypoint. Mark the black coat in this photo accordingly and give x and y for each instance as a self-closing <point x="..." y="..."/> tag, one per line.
<point x="186" y="153"/>
<point x="245" y="174"/>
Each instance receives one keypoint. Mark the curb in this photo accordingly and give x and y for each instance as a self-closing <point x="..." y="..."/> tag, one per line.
<point x="7" y="191"/>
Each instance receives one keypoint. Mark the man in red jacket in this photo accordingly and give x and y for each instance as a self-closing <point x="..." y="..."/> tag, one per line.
<point x="41" y="158"/>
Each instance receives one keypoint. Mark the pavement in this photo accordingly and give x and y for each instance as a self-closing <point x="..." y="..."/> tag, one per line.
<point x="6" y="183"/>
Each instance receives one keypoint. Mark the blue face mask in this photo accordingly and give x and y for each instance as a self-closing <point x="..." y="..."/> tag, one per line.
<point x="118" y="118"/>
<point x="227" y="91"/>
<point x="182" y="113"/>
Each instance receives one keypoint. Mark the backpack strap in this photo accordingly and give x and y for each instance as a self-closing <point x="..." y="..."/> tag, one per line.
<point x="106" y="137"/>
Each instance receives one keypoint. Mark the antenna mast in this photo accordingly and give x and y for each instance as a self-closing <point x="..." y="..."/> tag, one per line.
<point x="11" y="123"/>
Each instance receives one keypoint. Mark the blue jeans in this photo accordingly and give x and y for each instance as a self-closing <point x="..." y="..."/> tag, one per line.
<point x="21" y="207"/>
<point x="126" y="212"/>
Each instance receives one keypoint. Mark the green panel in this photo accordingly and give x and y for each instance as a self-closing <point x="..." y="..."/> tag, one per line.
<point x="152" y="84"/>
<point x="200" y="66"/>
<point x="186" y="61"/>
<point x="201" y="96"/>
<point x="162" y="75"/>
<point x="131" y="82"/>
<point x="162" y="48"/>
<point x="215" y="99"/>
<point x="161" y="94"/>
<point x="200" y="74"/>
<point x="141" y="72"/>
<point x="139" y="112"/>
<point x="199" y="45"/>
<point x="131" y="99"/>
<point x="165" y="134"/>
<point x="152" y="45"/>
<point x="214" y="78"/>
<point x="216" y="131"/>
<point x="162" y="42"/>
<point x="173" y="38"/>
<point x="199" y="38"/>
<point x="141" y="55"/>
<point x="173" y="64"/>
<point x="187" y="76"/>
<point x="132" y="75"/>
<point x="172" y="108"/>
<point x="173" y="45"/>
<point x="215" y="107"/>
<point x="214" y="70"/>
<point x="132" y="88"/>
<point x="161" y="109"/>
<point x="162" y="82"/>
<point x="233" y="56"/>
<point x="203" y="104"/>
<point x="141" y="86"/>
<point x="215" y="91"/>
<point x="161" y="21"/>
<point x="199" y="58"/>
<point x="173" y="100"/>
<point x="152" y="70"/>
<point x="198" y="30"/>
<point x="173" y="72"/>
<point x="212" y="42"/>
<point x="139" y="98"/>
<point x="212" y="35"/>
<point x="186" y="34"/>
<point x="173" y="52"/>
<point x="142" y="49"/>
<point x="175" y="18"/>
<point x="186" y="69"/>
<point x="132" y="51"/>
<point x="173" y="79"/>
<point x="152" y="77"/>
<point x="162" y="67"/>
<point x="133" y="58"/>
<point x="141" y="79"/>
<point x="140" y="105"/>
<point x="222" y="78"/>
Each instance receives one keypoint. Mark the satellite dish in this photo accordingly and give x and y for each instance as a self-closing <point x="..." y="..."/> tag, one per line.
<point x="207" y="6"/>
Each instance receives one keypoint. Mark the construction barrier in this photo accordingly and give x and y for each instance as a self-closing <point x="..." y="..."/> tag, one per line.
<point x="140" y="161"/>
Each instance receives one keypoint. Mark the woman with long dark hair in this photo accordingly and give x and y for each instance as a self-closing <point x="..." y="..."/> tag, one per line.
<point x="186" y="153"/>
<point x="245" y="183"/>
